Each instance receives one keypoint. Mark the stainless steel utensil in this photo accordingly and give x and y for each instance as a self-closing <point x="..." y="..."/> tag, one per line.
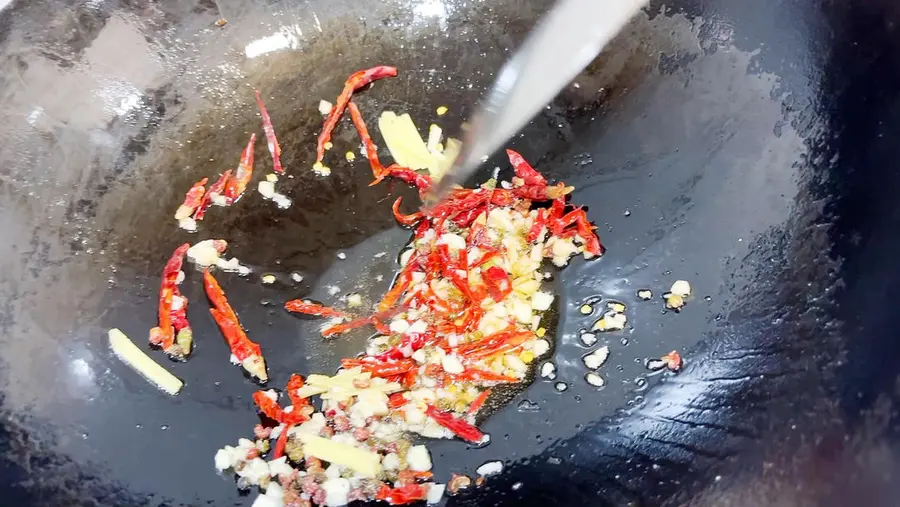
<point x="561" y="45"/>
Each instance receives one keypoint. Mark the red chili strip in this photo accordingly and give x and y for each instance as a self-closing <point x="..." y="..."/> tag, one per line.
<point x="540" y="221"/>
<point x="217" y="188"/>
<point x="272" y="410"/>
<point x="478" y="402"/>
<point x="241" y="346"/>
<point x="397" y="400"/>
<point x="409" y="493"/>
<point x="163" y="335"/>
<point x="402" y="219"/>
<point x="300" y="306"/>
<point x="524" y="170"/>
<point x="281" y="443"/>
<point x="418" y="180"/>
<point x="244" y="173"/>
<point x="477" y="375"/>
<point x="356" y="81"/>
<point x="381" y="369"/>
<point x="295" y="383"/>
<point x="269" y="129"/>
<point x="192" y="200"/>
<point x="673" y="360"/>
<point x="459" y="427"/>
<point x="346" y="326"/>
<point x="498" y="283"/>
<point x="378" y="170"/>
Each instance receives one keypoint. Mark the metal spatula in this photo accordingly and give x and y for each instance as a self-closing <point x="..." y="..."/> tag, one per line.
<point x="561" y="45"/>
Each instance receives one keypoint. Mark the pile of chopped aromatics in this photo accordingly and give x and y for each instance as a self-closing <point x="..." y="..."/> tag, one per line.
<point x="463" y="316"/>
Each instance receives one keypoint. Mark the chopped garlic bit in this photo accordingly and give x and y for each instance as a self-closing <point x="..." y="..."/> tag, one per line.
<point x="296" y="277"/>
<point x="588" y="339"/>
<point x="681" y="288"/>
<point x="586" y="309"/>
<point x="490" y="468"/>
<point x="594" y="379"/>
<point x="548" y="370"/>
<point x="435" y="493"/>
<point x="441" y="110"/>
<point x="233" y="265"/>
<point x="611" y="321"/>
<point x="350" y="156"/>
<point x="354" y="300"/>
<point x="540" y="347"/>
<point x="673" y="301"/>
<point x="272" y="177"/>
<point x="325" y="107"/>
<point x="616" y="306"/>
<point x="134" y="357"/>
<point x="206" y="253"/>
<point x="266" y="188"/>
<point x="418" y="458"/>
<point x="541" y="301"/>
<point x="188" y="224"/>
<point x="645" y="294"/>
<point x="597" y="358"/>
<point x="268" y="278"/>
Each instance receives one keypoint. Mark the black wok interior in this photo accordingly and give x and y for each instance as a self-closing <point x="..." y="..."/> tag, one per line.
<point x="748" y="147"/>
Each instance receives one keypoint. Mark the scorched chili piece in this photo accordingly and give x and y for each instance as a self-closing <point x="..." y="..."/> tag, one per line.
<point x="269" y="129"/>
<point x="459" y="427"/>
<point x="300" y="306"/>
<point x="246" y="351"/>
<point x="173" y="319"/>
<point x="192" y="200"/>
<point x="356" y="81"/>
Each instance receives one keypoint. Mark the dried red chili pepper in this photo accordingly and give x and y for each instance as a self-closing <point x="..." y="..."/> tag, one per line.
<point x="459" y="427"/>
<point x="192" y="200"/>
<point x="409" y="493"/>
<point x="217" y="188"/>
<point x="269" y="129"/>
<point x="271" y="409"/>
<point x="542" y="193"/>
<point x="402" y="219"/>
<point x="378" y="170"/>
<point x="356" y="81"/>
<point x="172" y="321"/>
<point x="393" y="296"/>
<point x="418" y="180"/>
<point x="380" y="369"/>
<point x="673" y="360"/>
<point x="540" y="222"/>
<point x="346" y="326"/>
<point x="498" y="282"/>
<point x="308" y="308"/>
<point x="244" y="173"/>
<point x="524" y="170"/>
<point x="477" y="375"/>
<point x="281" y="443"/>
<point x="478" y="402"/>
<point x="397" y="400"/>
<point x="295" y="383"/>
<point x="246" y="351"/>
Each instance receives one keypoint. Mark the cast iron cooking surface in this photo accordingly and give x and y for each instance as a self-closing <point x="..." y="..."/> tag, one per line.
<point x="741" y="147"/>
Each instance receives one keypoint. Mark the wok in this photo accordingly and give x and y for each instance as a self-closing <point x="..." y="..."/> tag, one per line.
<point x="748" y="147"/>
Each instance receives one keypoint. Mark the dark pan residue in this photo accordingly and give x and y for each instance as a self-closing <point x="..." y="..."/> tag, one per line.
<point x="746" y="147"/>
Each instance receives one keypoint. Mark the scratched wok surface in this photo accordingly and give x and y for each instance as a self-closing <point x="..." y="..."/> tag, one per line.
<point x="746" y="148"/>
